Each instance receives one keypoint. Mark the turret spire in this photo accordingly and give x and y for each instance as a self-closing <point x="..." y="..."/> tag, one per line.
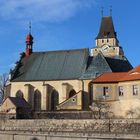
<point x="29" y="42"/>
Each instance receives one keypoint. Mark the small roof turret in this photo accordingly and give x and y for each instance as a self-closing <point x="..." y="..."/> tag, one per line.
<point x="29" y="42"/>
<point x="29" y="39"/>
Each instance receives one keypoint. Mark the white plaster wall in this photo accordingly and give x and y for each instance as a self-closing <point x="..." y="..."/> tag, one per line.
<point x="122" y="107"/>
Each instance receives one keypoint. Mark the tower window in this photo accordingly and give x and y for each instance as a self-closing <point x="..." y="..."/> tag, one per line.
<point x="120" y="91"/>
<point x="102" y="41"/>
<point x="135" y="90"/>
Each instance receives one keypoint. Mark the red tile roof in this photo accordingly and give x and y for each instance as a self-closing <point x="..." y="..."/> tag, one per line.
<point x="112" y="77"/>
<point x="132" y="75"/>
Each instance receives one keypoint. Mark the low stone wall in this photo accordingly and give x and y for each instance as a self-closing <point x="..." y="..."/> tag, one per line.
<point x="69" y="129"/>
<point x="54" y="125"/>
<point x="87" y="126"/>
<point x="60" y="136"/>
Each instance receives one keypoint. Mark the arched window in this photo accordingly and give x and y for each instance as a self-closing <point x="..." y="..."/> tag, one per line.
<point x="54" y="100"/>
<point x="19" y="94"/>
<point x="72" y="93"/>
<point x="37" y="100"/>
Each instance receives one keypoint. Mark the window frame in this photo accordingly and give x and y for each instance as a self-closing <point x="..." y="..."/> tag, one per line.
<point x="121" y="91"/>
<point x="135" y="90"/>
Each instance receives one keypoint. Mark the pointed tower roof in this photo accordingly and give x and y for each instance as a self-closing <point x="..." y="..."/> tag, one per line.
<point x="107" y="29"/>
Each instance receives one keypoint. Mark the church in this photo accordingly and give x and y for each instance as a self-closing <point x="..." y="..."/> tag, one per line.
<point x="62" y="80"/>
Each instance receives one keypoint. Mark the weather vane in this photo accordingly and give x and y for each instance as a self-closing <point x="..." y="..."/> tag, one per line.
<point x="30" y="27"/>
<point x="102" y="11"/>
<point x="111" y="10"/>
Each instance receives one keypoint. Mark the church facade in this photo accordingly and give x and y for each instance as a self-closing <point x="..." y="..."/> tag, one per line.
<point x="62" y="80"/>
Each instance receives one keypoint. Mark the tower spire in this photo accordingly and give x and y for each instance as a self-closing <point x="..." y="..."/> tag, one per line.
<point x="106" y="40"/>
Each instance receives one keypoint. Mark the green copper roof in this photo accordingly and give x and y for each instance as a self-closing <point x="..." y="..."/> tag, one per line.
<point x="66" y="65"/>
<point x="53" y="65"/>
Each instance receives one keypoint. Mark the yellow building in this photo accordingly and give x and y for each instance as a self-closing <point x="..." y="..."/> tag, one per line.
<point x="121" y="90"/>
<point x="61" y="80"/>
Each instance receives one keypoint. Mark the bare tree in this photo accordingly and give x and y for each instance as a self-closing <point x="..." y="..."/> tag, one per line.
<point x="101" y="110"/>
<point x="133" y="113"/>
<point x="3" y="84"/>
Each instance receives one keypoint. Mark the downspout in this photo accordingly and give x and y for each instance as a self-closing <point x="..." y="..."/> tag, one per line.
<point x="82" y="97"/>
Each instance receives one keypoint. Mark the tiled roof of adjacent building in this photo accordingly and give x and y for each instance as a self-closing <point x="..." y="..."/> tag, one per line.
<point x="132" y="75"/>
<point x="106" y="28"/>
<point x="65" y="65"/>
<point x="111" y="77"/>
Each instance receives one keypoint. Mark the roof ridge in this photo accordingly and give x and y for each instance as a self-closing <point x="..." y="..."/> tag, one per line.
<point x="62" y="50"/>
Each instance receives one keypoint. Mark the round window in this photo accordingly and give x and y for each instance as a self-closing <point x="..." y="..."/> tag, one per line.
<point x="73" y="100"/>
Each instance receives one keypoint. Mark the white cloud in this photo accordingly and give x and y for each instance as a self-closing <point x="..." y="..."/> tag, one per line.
<point x="42" y="10"/>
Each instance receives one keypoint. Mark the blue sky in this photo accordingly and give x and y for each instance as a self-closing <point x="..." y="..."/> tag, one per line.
<point x="65" y="24"/>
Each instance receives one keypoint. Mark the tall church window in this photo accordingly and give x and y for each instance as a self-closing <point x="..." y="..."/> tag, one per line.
<point x="105" y="91"/>
<point x="54" y="97"/>
<point x="121" y="91"/>
<point x="19" y="94"/>
<point x="37" y="100"/>
<point x="72" y="93"/>
<point x="135" y="90"/>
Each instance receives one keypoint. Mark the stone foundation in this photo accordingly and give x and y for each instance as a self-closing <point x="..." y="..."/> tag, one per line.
<point x="63" y="115"/>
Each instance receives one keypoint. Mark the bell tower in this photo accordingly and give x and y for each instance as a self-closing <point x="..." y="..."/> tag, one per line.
<point x="107" y="34"/>
<point x="29" y="43"/>
<point x="107" y="41"/>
